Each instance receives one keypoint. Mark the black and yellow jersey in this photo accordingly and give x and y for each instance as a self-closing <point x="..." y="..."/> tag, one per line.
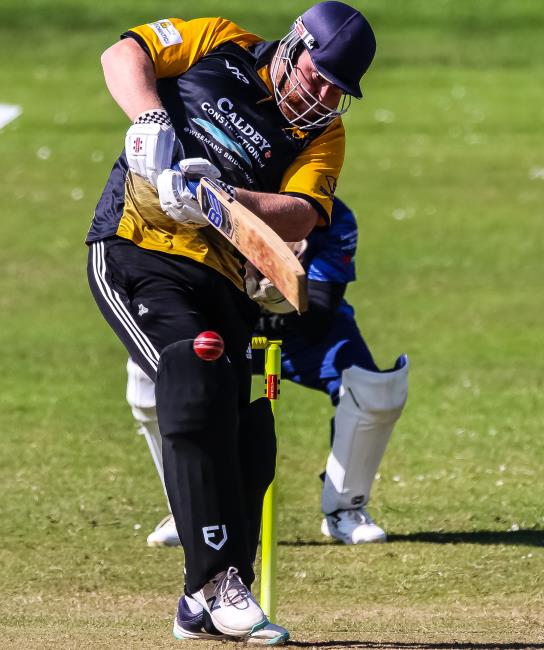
<point x="212" y="78"/>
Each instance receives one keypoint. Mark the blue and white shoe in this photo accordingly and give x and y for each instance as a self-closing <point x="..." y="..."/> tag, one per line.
<point x="230" y="604"/>
<point x="193" y="622"/>
<point x="270" y="634"/>
<point x="352" y="527"/>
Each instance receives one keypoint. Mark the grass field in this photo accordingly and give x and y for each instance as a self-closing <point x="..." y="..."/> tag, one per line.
<point x="445" y="168"/>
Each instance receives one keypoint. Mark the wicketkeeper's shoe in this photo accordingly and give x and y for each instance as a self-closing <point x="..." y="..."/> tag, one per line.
<point x="193" y="622"/>
<point x="230" y="604"/>
<point x="352" y="527"/>
<point x="165" y="534"/>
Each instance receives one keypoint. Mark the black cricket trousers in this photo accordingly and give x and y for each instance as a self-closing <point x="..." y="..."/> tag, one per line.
<point x="157" y="304"/>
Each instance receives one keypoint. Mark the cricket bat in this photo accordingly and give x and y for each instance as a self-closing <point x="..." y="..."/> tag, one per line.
<point x="249" y="234"/>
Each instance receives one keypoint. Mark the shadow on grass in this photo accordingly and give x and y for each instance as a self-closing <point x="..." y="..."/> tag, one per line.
<point x="512" y="538"/>
<point x="372" y="645"/>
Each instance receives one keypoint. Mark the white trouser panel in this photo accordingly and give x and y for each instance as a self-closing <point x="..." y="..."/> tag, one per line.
<point x="370" y="404"/>
<point x="141" y="399"/>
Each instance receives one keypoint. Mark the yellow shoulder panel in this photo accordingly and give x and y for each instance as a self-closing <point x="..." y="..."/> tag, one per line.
<point x="176" y="44"/>
<point x="315" y="171"/>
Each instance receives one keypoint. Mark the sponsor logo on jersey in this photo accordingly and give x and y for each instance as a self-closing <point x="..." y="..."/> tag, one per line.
<point x="236" y="72"/>
<point x="225" y="105"/>
<point x="167" y="34"/>
<point x="246" y="141"/>
<point x="222" y="138"/>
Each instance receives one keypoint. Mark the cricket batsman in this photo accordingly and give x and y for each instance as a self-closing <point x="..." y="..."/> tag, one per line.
<point x="264" y="118"/>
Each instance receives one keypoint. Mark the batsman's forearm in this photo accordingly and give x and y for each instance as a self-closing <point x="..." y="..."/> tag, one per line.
<point x="130" y="77"/>
<point x="292" y="218"/>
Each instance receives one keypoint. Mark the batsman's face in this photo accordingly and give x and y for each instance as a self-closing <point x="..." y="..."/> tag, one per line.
<point x="305" y="91"/>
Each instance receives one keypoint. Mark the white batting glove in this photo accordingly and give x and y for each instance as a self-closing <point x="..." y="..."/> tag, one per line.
<point x="264" y="293"/>
<point x="268" y="297"/>
<point x="177" y="201"/>
<point x="177" y="190"/>
<point x="151" y="144"/>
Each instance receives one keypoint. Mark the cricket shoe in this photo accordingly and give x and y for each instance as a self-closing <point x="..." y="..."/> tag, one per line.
<point x="194" y="622"/>
<point x="165" y="534"/>
<point x="270" y="634"/>
<point x="352" y="527"/>
<point x="191" y="622"/>
<point x="230" y="604"/>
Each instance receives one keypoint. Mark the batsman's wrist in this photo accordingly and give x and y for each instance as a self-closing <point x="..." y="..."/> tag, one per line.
<point x="154" y="116"/>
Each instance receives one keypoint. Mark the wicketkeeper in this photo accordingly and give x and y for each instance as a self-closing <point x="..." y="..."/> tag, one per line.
<point x="264" y="118"/>
<point x="323" y="349"/>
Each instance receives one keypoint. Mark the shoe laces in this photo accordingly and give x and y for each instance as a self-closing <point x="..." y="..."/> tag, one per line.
<point x="360" y="516"/>
<point x="232" y="591"/>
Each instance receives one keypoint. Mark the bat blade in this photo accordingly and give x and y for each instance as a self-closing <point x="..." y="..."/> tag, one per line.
<point x="263" y="247"/>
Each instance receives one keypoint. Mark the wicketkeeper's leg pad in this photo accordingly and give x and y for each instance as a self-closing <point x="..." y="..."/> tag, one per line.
<point x="370" y="405"/>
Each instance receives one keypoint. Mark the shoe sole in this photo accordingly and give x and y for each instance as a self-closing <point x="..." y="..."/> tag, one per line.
<point x="281" y="639"/>
<point x="180" y="634"/>
<point x="238" y="633"/>
<point x="379" y="539"/>
<point x="153" y="543"/>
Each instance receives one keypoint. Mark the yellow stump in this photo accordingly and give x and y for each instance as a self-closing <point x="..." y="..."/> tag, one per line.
<point x="272" y="374"/>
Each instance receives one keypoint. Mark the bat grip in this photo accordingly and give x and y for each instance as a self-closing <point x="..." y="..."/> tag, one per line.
<point x="191" y="185"/>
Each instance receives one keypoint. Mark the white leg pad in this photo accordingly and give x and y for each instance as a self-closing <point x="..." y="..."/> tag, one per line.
<point x="141" y="399"/>
<point x="370" y="405"/>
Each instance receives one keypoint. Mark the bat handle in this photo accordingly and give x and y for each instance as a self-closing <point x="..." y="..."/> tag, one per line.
<point x="192" y="185"/>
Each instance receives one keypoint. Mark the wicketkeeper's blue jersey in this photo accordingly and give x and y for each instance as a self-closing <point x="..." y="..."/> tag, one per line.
<point x="319" y="364"/>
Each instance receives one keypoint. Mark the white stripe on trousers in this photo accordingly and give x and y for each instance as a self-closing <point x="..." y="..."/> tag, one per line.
<point x="114" y="302"/>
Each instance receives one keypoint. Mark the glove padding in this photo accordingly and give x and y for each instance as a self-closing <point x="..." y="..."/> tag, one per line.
<point x="151" y="144"/>
<point x="177" y="190"/>
<point x="264" y="293"/>
<point x="269" y="298"/>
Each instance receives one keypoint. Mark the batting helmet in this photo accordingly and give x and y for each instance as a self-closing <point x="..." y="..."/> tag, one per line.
<point x="340" y="41"/>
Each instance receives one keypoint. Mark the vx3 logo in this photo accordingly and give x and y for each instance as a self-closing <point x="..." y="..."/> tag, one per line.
<point x="236" y="72"/>
<point x="211" y="532"/>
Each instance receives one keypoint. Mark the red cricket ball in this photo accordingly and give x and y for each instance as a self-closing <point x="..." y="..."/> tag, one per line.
<point x="209" y="346"/>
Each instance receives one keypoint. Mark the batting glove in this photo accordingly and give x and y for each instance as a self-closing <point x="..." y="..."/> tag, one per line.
<point x="264" y="293"/>
<point x="151" y="144"/>
<point x="177" y="190"/>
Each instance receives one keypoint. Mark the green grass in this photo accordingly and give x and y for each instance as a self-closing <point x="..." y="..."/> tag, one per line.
<point x="444" y="168"/>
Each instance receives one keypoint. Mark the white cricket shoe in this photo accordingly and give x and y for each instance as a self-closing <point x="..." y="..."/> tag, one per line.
<point x="352" y="527"/>
<point x="165" y="534"/>
<point x="230" y="604"/>
<point x="193" y="622"/>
